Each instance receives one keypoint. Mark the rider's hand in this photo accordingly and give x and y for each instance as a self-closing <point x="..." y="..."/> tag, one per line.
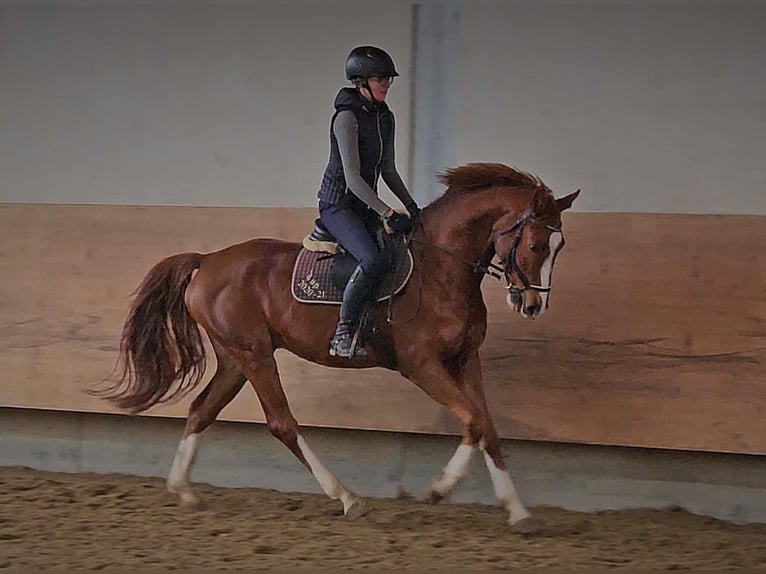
<point x="414" y="211"/>
<point x="397" y="222"/>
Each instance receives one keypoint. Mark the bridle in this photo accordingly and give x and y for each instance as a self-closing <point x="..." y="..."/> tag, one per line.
<point x="509" y="267"/>
<point x="511" y="264"/>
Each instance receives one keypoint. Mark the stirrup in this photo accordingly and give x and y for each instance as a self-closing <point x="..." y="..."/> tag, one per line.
<point x="353" y="351"/>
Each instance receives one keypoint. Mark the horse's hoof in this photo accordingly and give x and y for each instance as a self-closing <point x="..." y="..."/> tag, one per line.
<point x="357" y="509"/>
<point x="528" y="525"/>
<point x="434" y="497"/>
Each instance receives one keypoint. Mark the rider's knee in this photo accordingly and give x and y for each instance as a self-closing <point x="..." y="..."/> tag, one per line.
<point x="375" y="266"/>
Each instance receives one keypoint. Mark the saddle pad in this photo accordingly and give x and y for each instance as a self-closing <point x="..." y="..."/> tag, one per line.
<point x="312" y="281"/>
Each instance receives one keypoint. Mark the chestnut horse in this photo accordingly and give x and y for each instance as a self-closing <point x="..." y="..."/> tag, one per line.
<point x="241" y="297"/>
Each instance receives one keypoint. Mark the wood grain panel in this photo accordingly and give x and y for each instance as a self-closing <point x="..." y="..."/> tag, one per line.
<point x="656" y="334"/>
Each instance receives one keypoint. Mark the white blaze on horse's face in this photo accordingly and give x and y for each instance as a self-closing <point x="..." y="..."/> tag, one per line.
<point x="534" y="258"/>
<point x="555" y="242"/>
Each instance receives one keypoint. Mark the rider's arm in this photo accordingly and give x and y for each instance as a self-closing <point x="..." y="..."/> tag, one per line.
<point x="391" y="175"/>
<point x="346" y="130"/>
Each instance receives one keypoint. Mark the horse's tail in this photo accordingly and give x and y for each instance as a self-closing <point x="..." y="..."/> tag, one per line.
<point x="162" y="356"/>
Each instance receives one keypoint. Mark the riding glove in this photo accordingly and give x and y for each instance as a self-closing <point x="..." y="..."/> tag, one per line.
<point x="398" y="222"/>
<point x="414" y="211"/>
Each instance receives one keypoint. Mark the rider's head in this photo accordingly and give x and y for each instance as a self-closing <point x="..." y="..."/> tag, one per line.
<point x="372" y="71"/>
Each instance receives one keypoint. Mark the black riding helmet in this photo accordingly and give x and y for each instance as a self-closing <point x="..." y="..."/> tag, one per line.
<point x="369" y="62"/>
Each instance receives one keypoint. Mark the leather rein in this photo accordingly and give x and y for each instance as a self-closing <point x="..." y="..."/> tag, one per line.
<point x="510" y="264"/>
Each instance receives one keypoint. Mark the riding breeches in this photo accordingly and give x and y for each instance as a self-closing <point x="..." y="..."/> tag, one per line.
<point x="353" y="231"/>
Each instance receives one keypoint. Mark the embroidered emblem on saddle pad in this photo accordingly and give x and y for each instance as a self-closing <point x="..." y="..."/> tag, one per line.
<point x="320" y="277"/>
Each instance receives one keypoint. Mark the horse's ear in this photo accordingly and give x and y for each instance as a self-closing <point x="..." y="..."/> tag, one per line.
<point x="542" y="202"/>
<point x="566" y="202"/>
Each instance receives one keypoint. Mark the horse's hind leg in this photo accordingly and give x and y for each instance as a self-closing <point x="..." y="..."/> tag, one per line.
<point x="220" y="391"/>
<point x="264" y="377"/>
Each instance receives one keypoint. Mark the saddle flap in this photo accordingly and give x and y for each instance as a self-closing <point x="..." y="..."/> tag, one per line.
<point x="320" y="278"/>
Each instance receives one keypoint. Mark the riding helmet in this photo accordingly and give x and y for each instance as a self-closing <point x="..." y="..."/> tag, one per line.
<point x="367" y="62"/>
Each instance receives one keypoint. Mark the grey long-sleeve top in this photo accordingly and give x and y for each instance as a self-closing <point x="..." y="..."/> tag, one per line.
<point x="346" y="130"/>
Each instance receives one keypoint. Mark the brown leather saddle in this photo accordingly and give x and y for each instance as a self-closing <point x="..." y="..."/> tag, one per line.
<point x="323" y="268"/>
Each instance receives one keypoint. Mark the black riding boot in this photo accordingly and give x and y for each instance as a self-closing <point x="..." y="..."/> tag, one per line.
<point x="355" y="297"/>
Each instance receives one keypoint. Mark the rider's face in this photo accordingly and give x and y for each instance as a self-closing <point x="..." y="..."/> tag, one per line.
<point x="379" y="87"/>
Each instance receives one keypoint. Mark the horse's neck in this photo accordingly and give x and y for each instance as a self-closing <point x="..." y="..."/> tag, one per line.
<point x="464" y="226"/>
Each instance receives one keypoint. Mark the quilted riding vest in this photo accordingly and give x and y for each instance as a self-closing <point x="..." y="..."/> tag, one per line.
<point x="376" y="134"/>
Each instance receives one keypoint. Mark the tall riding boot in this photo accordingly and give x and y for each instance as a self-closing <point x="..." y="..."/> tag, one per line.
<point x="355" y="297"/>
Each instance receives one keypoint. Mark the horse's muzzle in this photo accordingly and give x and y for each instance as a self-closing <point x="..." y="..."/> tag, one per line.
<point x="514" y="300"/>
<point x="528" y="303"/>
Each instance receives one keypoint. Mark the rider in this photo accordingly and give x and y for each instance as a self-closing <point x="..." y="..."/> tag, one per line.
<point x="361" y="150"/>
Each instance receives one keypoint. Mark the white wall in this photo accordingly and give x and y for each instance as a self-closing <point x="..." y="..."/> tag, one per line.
<point x="647" y="107"/>
<point x="168" y="104"/>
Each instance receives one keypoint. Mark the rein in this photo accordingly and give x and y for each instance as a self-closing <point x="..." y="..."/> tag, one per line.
<point x="492" y="269"/>
<point x="510" y="265"/>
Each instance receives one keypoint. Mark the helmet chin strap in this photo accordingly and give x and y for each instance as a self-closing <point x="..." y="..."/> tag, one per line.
<point x="366" y="85"/>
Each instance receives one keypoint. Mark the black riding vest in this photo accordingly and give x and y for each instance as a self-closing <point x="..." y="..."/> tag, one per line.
<point x="376" y="134"/>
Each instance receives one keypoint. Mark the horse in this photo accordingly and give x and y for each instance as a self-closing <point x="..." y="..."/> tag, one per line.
<point x="430" y="332"/>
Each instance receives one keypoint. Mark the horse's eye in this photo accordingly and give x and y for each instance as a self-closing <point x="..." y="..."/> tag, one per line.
<point x="533" y="247"/>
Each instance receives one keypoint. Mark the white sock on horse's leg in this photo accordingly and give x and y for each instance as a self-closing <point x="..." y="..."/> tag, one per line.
<point x="178" y="478"/>
<point x="333" y="487"/>
<point x="506" y="491"/>
<point x="452" y="473"/>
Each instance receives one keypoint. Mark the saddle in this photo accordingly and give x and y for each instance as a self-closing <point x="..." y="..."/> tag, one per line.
<point x="323" y="268"/>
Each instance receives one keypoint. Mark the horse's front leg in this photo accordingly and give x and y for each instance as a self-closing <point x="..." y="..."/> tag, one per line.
<point x="445" y="388"/>
<point x="489" y="443"/>
<point x="463" y="393"/>
<point x="453" y="472"/>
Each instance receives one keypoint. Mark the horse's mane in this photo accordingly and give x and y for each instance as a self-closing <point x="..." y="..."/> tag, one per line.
<point x="481" y="175"/>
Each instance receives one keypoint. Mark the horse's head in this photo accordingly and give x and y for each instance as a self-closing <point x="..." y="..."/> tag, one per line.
<point x="528" y="244"/>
